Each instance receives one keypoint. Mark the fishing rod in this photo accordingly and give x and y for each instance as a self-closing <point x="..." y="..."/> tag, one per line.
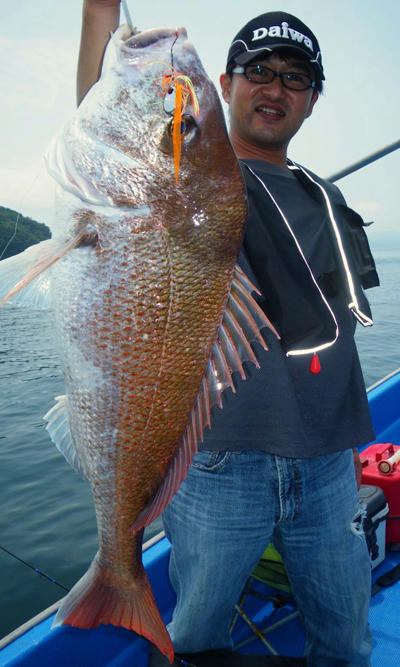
<point x="365" y="161"/>
<point x="127" y="14"/>
<point x="35" y="569"/>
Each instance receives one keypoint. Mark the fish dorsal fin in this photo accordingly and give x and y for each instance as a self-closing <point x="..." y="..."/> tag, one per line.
<point x="60" y="433"/>
<point x="241" y="324"/>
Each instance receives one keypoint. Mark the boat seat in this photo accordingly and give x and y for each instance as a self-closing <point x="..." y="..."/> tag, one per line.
<point x="268" y="583"/>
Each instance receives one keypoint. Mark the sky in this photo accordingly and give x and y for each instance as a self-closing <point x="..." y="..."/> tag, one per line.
<point x="357" y="114"/>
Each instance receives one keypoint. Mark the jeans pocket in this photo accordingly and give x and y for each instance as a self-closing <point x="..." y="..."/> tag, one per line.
<point x="211" y="461"/>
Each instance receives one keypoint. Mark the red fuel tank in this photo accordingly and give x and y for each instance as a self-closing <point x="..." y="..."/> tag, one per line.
<point x="381" y="467"/>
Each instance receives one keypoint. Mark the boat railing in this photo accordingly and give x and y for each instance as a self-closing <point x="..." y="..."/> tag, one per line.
<point x="382" y="380"/>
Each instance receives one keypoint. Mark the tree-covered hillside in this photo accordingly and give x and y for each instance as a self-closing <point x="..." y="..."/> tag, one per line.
<point x="28" y="232"/>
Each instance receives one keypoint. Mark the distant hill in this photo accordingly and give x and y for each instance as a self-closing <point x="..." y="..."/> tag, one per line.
<point x="28" y="232"/>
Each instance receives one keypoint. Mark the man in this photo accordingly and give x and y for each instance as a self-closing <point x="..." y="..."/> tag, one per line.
<point x="278" y="463"/>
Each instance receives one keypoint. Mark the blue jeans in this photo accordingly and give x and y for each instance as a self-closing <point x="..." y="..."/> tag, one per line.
<point x="226" y="512"/>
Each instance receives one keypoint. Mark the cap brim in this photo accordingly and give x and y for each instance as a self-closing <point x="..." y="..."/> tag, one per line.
<point x="248" y="56"/>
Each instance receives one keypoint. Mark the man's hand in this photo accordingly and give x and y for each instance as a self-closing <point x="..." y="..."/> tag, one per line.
<point x="99" y="19"/>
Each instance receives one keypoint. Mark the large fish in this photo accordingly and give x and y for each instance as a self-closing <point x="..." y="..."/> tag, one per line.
<point x="153" y="316"/>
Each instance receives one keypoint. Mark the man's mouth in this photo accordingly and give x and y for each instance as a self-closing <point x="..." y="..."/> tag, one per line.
<point x="271" y="112"/>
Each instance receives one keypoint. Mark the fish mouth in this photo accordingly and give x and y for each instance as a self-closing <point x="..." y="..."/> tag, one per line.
<point x="146" y="38"/>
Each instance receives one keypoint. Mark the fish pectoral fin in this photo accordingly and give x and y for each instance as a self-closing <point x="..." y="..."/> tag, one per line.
<point x="27" y="269"/>
<point x="60" y="433"/>
<point x="16" y="274"/>
<point x="241" y="325"/>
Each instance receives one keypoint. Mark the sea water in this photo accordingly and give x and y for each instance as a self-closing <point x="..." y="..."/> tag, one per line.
<point x="46" y="510"/>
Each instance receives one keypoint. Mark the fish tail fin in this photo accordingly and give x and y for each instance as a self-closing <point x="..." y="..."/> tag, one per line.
<point x="95" y="600"/>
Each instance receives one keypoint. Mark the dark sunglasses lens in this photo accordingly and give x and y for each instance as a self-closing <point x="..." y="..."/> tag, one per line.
<point x="259" y="74"/>
<point x="292" y="80"/>
<point x="296" y="81"/>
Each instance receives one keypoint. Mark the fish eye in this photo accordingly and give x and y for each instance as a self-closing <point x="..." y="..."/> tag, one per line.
<point x="188" y="128"/>
<point x="183" y="127"/>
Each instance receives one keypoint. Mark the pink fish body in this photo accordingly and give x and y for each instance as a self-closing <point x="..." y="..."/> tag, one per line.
<point x="153" y="315"/>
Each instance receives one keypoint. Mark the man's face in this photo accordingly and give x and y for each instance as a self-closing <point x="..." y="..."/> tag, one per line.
<point x="267" y="116"/>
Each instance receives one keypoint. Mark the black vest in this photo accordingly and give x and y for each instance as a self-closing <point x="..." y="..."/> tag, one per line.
<point x="293" y="297"/>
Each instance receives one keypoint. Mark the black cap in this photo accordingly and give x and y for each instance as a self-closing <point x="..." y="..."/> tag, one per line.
<point x="275" y="30"/>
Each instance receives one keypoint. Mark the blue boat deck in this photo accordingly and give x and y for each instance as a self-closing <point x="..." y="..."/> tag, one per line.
<point x="116" y="647"/>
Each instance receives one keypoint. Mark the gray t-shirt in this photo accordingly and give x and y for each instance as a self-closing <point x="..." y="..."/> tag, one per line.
<point x="282" y="408"/>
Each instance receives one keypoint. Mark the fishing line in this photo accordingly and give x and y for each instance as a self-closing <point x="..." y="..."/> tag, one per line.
<point x="172" y="46"/>
<point x="3" y="251"/>
<point x="35" y="569"/>
<point x="40" y="170"/>
<point x="10" y="240"/>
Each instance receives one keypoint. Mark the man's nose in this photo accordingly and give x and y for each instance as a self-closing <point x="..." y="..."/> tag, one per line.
<point x="275" y="88"/>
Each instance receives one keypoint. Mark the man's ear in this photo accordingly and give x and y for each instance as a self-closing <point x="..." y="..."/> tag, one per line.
<point x="225" y="82"/>
<point x="312" y="102"/>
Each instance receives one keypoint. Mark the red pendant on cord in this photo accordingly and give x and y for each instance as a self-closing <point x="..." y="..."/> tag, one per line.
<point x="315" y="366"/>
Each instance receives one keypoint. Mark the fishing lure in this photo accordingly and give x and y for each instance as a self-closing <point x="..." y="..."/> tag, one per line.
<point x="178" y="91"/>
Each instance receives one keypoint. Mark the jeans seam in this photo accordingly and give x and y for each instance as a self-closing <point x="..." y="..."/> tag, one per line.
<point x="297" y="490"/>
<point x="213" y="464"/>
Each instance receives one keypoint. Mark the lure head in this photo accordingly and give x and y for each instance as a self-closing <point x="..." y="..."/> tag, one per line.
<point x="177" y="91"/>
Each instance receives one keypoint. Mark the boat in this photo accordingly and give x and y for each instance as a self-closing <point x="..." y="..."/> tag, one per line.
<point x="37" y="645"/>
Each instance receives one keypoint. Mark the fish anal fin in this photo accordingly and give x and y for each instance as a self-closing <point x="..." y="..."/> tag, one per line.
<point x="95" y="599"/>
<point x="60" y="433"/>
<point x="241" y="324"/>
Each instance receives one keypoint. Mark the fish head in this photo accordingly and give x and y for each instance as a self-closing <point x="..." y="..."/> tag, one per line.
<point x="140" y="113"/>
<point x="122" y="149"/>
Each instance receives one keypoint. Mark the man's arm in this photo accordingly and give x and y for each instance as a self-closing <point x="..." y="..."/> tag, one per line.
<point x="99" y="18"/>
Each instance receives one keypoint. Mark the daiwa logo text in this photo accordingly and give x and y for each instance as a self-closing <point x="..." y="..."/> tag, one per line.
<point x="284" y="31"/>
